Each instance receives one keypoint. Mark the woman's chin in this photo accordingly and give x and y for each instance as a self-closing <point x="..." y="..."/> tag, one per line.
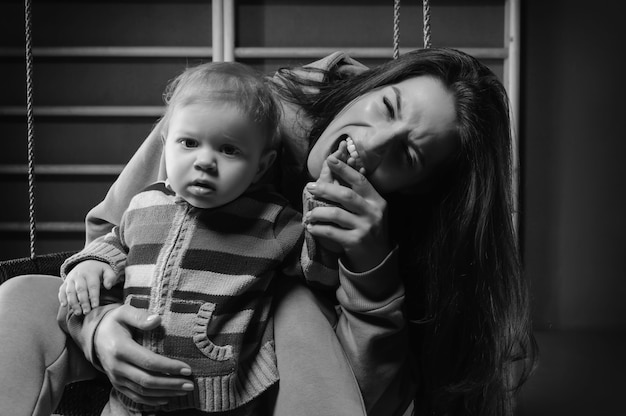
<point x="314" y="166"/>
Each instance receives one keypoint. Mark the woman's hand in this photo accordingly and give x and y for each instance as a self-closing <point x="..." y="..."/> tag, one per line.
<point x="358" y="222"/>
<point x="142" y="375"/>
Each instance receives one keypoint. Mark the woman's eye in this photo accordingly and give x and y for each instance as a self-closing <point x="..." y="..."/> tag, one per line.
<point x="411" y="155"/>
<point x="230" y="150"/>
<point x="390" y="110"/>
<point x="189" y="143"/>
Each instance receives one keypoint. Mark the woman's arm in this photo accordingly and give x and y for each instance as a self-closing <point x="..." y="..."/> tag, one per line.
<point x="371" y="325"/>
<point x="372" y="330"/>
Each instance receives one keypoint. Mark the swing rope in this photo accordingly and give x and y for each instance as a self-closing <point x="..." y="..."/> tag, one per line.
<point x="31" y="126"/>
<point x="396" y="29"/>
<point x="29" y="98"/>
<point x="426" y="14"/>
<point x="396" y="26"/>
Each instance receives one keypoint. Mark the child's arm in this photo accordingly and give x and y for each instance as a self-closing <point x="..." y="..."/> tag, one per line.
<point x="99" y="263"/>
<point x="81" y="287"/>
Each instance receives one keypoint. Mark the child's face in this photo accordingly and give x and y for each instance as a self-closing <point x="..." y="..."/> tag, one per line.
<point x="213" y="153"/>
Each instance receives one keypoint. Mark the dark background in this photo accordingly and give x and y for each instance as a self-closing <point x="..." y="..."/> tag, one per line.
<point x="574" y="229"/>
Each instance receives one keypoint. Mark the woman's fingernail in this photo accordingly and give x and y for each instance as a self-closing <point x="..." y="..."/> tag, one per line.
<point x="185" y="371"/>
<point x="151" y="318"/>
<point x="311" y="186"/>
<point x="188" y="386"/>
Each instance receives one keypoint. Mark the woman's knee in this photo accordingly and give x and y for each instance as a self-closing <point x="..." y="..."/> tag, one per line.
<point x="30" y="302"/>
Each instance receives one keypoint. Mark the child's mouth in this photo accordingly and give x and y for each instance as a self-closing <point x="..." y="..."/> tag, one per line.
<point x="202" y="187"/>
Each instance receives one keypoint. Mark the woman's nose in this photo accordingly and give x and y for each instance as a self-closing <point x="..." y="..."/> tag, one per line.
<point x="377" y="145"/>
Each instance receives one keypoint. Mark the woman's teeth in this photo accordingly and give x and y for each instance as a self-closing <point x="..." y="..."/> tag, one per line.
<point x="354" y="160"/>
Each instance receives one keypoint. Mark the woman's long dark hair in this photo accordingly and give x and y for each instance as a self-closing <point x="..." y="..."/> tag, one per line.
<point x="467" y="302"/>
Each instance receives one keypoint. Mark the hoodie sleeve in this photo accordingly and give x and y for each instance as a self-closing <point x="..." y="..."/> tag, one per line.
<point x="145" y="167"/>
<point x="372" y="329"/>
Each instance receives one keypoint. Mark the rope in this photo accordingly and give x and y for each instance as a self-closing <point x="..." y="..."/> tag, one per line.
<point x="31" y="127"/>
<point x="426" y="12"/>
<point x="396" y="29"/>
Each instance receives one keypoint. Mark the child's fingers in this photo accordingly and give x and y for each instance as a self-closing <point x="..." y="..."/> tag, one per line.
<point x="325" y="174"/>
<point x="354" y="179"/>
<point x="82" y="293"/>
<point x="72" y="299"/>
<point x="93" y="290"/>
<point x="109" y="278"/>
<point x="342" y="154"/>
<point x="62" y="295"/>
<point x="94" y="296"/>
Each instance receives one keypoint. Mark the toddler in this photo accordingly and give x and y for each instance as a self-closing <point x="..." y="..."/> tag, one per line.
<point x="200" y="249"/>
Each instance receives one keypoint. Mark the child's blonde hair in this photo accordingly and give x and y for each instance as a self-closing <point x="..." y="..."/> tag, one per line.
<point x="230" y="83"/>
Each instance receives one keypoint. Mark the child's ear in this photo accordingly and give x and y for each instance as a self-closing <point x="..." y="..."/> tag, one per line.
<point x="267" y="159"/>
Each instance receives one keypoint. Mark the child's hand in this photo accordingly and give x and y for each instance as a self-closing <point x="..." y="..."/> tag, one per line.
<point x="81" y="288"/>
<point x="326" y="176"/>
<point x="355" y="219"/>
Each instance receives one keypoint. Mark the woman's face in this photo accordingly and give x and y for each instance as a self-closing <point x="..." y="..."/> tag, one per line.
<point x="397" y="135"/>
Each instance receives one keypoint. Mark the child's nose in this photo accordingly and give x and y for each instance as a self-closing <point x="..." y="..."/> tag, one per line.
<point x="206" y="161"/>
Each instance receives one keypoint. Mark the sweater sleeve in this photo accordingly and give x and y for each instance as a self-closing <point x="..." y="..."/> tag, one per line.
<point x="372" y="330"/>
<point x="145" y="167"/>
<point x="109" y="249"/>
<point x="319" y="264"/>
<point x="288" y="233"/>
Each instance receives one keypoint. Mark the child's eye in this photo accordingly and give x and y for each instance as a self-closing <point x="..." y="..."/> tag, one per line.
<point x="189" y="143"/>
<point x="230" y="150"/>
<point x="391" y="112"/>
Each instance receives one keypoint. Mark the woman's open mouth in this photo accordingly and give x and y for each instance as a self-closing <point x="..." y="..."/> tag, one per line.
<point x="350" y="154"/>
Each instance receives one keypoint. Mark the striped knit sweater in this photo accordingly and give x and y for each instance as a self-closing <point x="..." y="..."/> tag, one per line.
<point x="206" y="273"/>
<point x="320" y="266"/>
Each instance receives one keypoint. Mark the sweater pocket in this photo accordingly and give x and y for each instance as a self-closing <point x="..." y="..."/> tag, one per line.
<point x="201" y="339"/>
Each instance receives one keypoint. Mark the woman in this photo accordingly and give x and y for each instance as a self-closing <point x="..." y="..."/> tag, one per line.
<point x="438" y="314"/>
